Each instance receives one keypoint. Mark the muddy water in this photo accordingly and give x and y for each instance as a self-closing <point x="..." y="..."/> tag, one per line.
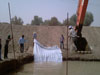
<point x="74" y="68"/>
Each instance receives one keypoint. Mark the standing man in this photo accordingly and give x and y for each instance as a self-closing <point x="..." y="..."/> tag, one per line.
<point x="0" y="49"/>
<point x="34" y="37"/>
<point x="6" y="47"/>
<point x="62" y="42"/>
<point x="21" y="42"/>
<point x="73" y="35"/>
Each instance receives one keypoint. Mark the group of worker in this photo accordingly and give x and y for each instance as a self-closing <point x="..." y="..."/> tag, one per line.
<point x="6" y="46"/>
<point x="21" y="44"/>
<point x="72" y="35"/>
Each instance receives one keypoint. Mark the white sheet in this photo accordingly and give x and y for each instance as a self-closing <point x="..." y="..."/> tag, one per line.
<point x="43" y="54"/>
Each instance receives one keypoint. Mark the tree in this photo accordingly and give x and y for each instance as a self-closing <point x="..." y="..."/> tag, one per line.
<point x="17" y="21"/>
<point x="73" y="19"/>
<point x="36" y="21"/>
<point x="87" y="21"/>
<point x="4" y="23"/>
<point x="66" y="22"/>
<point x="54" y="21"/>
<point x="46" y="22"/>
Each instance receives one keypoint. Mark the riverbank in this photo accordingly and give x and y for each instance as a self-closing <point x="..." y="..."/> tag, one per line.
<point x="48" y="36"/>
<point x="8" y="65"/>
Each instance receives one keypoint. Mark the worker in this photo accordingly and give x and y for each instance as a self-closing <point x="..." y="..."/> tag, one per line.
<point x="73" y="35"/>
<point x="21" y="42"/>
<point x="34" y="37"/>
<point x="62" y="42"/>
<point x="6" y="47"/>
<point x="0" y="49"/>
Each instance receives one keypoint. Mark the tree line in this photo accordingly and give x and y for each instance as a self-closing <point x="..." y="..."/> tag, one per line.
<point x="54" y="21"/>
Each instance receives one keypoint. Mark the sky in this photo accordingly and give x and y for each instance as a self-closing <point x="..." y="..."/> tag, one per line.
<point x="27" y="9"/>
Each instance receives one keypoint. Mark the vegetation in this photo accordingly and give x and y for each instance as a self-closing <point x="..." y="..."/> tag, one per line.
<point x="46" y="22"/>
<point x="54" y="21"/>
<point x="87" y="21"/>
<point x="66" y="22"/>
<point x="36" y="21"/>
<point x="73" y="19"/>
<point x="17" y="21"/>
<point x="4" y="23"/>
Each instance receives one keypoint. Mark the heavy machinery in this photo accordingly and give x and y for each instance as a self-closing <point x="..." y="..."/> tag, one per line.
<point x="82" y="6"/>
<point x="81" y="41"/>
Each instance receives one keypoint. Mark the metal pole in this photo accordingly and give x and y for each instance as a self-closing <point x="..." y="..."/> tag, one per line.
<point x="67" y="48"/>
<point x="11" y="28"/>
<point x="67" y="18"/>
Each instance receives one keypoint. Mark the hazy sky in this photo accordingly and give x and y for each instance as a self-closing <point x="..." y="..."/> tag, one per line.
<point x="27" y="9"/>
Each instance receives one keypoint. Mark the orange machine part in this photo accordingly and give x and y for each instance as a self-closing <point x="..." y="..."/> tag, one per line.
<point x="82" y="6"/>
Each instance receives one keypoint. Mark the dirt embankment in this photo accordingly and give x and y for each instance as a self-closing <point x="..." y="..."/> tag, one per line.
<point x="92" y="34"/>
<point x="50" y="35"/>
<point x="47" y="35"/>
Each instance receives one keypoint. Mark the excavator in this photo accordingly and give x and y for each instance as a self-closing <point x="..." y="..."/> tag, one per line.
<point x="82" y="6"/>
<point x="81" y="11"/>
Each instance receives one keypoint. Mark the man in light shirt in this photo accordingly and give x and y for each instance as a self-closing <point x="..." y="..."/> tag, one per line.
<point x="73" y="35"/>
<point x="21" y="42"/>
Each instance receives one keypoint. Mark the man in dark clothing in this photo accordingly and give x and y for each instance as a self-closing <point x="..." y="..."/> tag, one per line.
<point x="62" y="42"/>
<point x="0" y="50"/>
<point x="6" y="47"/>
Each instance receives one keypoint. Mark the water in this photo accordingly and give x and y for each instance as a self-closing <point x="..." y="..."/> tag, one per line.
<point x="74" y="68"/>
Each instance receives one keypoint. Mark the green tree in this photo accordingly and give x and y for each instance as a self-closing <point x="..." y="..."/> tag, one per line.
<point x="54" y="21"/>
<point x="46" y="22"/>
<point x="87" y="21"/>
<point x="17" y="21"/>
<point x="73" y="20"/>
<point x="66" y="22"/>
<point x="36" y="21"/>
